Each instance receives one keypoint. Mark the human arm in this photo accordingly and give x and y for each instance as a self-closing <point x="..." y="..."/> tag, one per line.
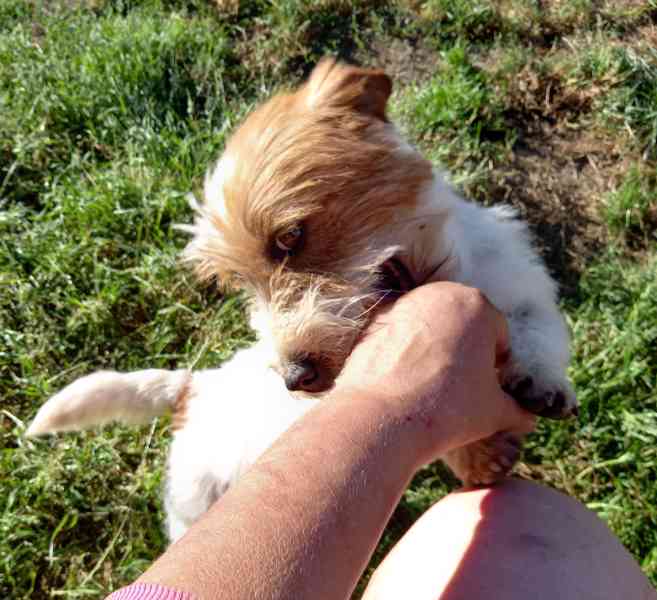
<point x="305" y="519"/>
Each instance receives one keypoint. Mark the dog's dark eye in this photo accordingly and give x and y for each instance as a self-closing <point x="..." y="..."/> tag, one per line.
<point x="287" y="242"/>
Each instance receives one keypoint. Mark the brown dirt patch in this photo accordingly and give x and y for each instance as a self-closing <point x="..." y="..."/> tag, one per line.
<point x="558" y="179"/>
<point x="406" y="61"/>
<point x="561" y="168"/>
<point x="558" y="171"/>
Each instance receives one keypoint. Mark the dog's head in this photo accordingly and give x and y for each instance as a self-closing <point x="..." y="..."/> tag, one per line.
<point x="315" y="209"/>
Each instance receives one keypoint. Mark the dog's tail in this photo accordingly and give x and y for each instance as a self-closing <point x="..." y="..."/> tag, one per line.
<point x="110" y="396"/>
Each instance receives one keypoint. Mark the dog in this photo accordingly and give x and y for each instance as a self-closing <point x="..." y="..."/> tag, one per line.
<point x="319" y="210"/>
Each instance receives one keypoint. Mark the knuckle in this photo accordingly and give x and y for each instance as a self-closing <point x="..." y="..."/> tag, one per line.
<point x="477" y="301"/>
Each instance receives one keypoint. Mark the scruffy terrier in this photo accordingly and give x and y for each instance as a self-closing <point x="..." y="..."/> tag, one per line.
<point x="319" y="210"/>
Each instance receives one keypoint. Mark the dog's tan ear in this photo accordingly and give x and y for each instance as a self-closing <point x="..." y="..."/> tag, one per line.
<point x="336" y="84"/>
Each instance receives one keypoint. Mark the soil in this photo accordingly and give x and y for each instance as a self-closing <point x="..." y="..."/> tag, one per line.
<point x="405" y="61"/>
<point x="561" y="167"/>
<point x="557" y="181"/>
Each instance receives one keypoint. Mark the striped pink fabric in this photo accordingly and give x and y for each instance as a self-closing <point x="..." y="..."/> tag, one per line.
<point x="149" y="591"/>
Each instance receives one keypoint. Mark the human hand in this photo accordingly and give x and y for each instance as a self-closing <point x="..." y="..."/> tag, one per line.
<point x="429" y="361"/>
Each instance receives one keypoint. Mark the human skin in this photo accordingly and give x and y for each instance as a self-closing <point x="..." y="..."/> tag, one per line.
<point x="305" y="519"/>
<point x="516" y="540"/>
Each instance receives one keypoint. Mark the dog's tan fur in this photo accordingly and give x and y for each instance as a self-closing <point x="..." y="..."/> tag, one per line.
<point x="321" y="156"/>
<point x="181" y="406"/>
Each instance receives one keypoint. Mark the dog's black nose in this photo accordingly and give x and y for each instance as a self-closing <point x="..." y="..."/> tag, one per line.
<point x="303" y="375"/>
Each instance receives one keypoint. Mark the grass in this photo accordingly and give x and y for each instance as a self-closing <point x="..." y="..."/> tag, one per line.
<point x="631" y="210"/>
<point x="608" y="460"/>
<point x="457" y="116"/>
<point x="111" y="111"/>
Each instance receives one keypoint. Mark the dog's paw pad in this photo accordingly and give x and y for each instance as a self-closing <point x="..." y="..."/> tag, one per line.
<point x="492" y="459"/>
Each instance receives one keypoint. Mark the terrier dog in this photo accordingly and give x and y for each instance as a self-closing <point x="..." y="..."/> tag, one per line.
<point x="319" y="210"/>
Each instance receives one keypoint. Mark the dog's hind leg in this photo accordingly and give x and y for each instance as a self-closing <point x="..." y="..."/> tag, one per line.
<point x="108" y="396"/>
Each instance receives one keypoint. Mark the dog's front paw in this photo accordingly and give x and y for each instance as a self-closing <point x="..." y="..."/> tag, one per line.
<point x="486" y="461"/>
<point x="543" y="396"/>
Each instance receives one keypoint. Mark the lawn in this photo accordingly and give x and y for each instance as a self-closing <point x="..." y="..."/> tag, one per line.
<point x="110" y="113"/>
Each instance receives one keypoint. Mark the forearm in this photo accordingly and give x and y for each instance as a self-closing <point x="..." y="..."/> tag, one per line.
<point x="304" y="521"/>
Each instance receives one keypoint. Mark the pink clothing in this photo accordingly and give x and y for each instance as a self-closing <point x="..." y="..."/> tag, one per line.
<point x="149" y="591"/>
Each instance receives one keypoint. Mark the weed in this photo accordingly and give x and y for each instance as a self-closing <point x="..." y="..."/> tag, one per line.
<point x="454" y="19"/>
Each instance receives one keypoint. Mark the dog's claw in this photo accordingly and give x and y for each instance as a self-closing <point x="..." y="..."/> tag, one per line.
<point x="552" y="404"/>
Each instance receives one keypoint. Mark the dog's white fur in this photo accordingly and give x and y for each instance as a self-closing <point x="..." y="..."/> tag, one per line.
<point x="232" y="415"/>
<point x="107" y="396"/>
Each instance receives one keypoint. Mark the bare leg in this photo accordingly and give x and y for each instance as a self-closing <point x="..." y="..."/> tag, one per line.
<point x="517" y="540"/>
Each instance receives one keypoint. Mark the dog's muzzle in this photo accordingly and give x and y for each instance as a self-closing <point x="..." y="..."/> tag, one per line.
<point x="306" y="376"/>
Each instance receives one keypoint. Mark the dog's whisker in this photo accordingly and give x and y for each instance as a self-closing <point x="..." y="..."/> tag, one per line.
<point x="375" y="305"/>
<point x="422" y="217"/>
<point x="356" y="300"/>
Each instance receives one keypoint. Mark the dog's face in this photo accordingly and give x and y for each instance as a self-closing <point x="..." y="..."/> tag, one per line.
<point x="313" y="209"/>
